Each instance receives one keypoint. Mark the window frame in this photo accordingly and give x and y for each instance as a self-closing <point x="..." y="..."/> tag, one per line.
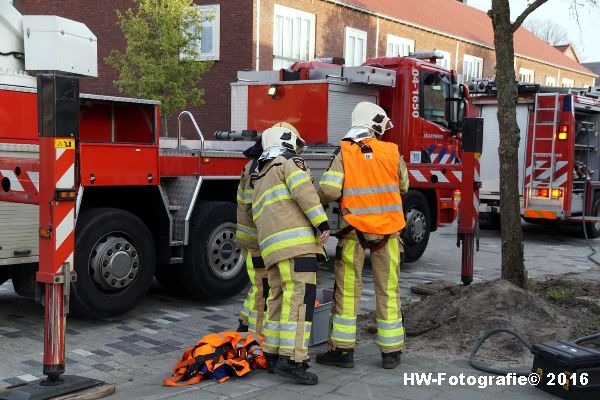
<point x="567" y="83"/>
<point x="290" y="12"/>
<point x="357" y="34"/>
<point x="400" y="41"/>
<point x="470" y="58"/>
<point x="526" y="72"/>
<point x="216" y="40"/>
<point x="553" y="84"/>
<point x="422" y="76"/>
<point x="447" y="57"/>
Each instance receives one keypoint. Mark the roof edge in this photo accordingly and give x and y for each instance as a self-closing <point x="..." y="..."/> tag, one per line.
<point x="342" y="3"/>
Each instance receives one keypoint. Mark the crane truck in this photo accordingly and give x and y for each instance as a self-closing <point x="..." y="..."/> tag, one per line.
<point x="147" y="206"/>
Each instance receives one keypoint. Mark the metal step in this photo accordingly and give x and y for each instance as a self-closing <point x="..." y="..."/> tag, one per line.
<point x="176" y="260"/>
<point x="536" y="139"/>
<point x="179" y="194"/>
<point x="175" y="243"/>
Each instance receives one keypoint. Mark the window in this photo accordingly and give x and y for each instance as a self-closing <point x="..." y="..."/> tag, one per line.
<point x="550" y="81"/>
<point x="398" y="46"/>
<point x="472" y="68"/>
<point x="444" y="62"/>
<point x="293" y="36"/>
<point x="435" y="90"/>
<point x="208" y="48"/>
<point x="355" y="52"/>
<point x="568" y="82"/>
<point x="526" y="75"/>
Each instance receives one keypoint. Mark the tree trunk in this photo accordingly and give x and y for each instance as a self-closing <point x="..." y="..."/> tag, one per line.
<point x="513" y="267"/>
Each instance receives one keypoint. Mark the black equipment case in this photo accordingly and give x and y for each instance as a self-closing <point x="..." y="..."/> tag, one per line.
<point x="567" y="370"/>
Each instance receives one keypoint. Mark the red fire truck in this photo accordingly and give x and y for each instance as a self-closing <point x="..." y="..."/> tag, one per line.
<point x="559" y="155"/>
<point x="148" y="206"/>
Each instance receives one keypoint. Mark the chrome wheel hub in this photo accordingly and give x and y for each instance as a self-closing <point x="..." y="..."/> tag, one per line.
<point x="114" y="263"/>
<point x="416" y="226"/>
<point x="225" y="258"/>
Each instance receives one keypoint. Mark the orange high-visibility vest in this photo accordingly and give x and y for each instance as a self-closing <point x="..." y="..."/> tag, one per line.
<point x="371" y="201"/>
<point x="219" y="356"/>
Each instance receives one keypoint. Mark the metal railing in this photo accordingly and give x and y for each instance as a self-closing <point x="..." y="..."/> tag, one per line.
<point x="200" y="135"/>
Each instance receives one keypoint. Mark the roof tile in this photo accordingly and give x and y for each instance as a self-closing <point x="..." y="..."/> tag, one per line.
<point x="442" y="16"/>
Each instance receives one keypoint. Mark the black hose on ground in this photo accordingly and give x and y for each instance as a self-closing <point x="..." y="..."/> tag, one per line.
<point x="482" y="340"/>
<point x="586" y="338"/>
<point x="522" y="339"/>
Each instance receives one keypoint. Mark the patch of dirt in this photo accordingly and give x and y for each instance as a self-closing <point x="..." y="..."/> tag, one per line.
<point x="451" y="321"/>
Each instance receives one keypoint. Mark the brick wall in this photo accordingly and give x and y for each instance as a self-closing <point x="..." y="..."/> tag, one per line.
<point x="238" y="45"/>
<point x="332" y="19"/>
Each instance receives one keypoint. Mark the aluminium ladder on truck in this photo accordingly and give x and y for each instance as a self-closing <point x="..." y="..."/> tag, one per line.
<point x="542" y="175"/>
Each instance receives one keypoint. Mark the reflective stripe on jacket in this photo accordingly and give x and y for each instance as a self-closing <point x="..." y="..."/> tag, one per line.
<point x="286" y="210"/>
<point x="371" y="201"/>
<point x="245" y="234"/>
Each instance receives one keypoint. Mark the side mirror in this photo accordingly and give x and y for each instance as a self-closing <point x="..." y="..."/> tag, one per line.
<point x="457" y="108"/>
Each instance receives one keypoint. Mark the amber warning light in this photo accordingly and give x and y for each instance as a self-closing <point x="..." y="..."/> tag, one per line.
<point x="563" y="131"/>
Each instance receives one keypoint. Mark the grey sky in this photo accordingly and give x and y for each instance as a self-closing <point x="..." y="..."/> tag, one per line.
<point x="559" y="12"/>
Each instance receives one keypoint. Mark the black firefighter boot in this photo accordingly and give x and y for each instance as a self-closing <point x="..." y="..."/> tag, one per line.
<point x="242" y="327"/>
<point x="271" y="361"/>
<point x="343" y="358"/>
<point x="391" y="360"/>
<point x="297" y="371"/>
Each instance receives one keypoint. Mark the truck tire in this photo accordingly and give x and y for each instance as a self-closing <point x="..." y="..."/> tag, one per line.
<point x="5" y="273"/>
<point x="213" y="265"/>
<point x="418" y="225"/>
<point x="165" y="275"/>
<point x="115" y="259"/>
<point x="593" y="228"/>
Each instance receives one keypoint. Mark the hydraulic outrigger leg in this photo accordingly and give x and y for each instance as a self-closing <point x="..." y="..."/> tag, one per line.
<point x="58" y="108"/>
<point x="468" y="217"/>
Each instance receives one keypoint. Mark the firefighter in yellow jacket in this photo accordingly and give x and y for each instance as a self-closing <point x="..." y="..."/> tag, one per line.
<point x="291" y="226"/>
<point x="253" y="310"/>
<point x="367" y="176"/>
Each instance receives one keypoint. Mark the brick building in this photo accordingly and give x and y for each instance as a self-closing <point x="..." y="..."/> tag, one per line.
<point x="266" y="34"/>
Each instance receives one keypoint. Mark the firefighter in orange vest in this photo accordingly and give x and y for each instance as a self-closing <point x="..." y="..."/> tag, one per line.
<point x="367" y="176"/>
<point x="292" y="226"/>
<point x="253" y="310"/>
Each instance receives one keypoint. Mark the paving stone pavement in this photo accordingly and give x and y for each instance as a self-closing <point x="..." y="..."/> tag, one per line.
<point x="137" y="350"/>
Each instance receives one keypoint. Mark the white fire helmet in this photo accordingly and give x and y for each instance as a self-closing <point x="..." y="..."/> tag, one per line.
<point x="282" y="135"/>
<point x="371" y="116"/>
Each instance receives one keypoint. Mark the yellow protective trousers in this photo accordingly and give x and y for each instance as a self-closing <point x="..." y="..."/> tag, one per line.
<point x="385" y="264"/>
<point x="290" y="307"/>
<point x="253" y="309"/>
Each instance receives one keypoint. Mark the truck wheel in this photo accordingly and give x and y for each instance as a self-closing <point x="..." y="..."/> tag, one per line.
<point x="213" y="266"/>
<point x="115" y="261"/>
<point x="593" y="228"/>
<point x="5" y="273"/>
<point x="418" y="225"/>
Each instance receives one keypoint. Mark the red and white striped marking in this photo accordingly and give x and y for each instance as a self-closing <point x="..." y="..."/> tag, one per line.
<point x="477" y="178"/>
<point x="20" y="179"/>
<point x="425" y="176"/>
<point x="64" y="178"/>
<point x="561" y="174"/>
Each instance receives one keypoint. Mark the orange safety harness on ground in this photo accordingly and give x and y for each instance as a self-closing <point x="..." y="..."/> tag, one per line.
<point x="219" y="356"/>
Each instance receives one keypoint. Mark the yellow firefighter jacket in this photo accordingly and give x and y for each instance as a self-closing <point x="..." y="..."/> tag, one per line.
<point x="245" y="234"/>
<point x="286" y="210"/>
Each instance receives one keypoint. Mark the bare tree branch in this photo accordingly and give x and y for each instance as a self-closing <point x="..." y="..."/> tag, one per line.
<point x="530" y="8"/>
